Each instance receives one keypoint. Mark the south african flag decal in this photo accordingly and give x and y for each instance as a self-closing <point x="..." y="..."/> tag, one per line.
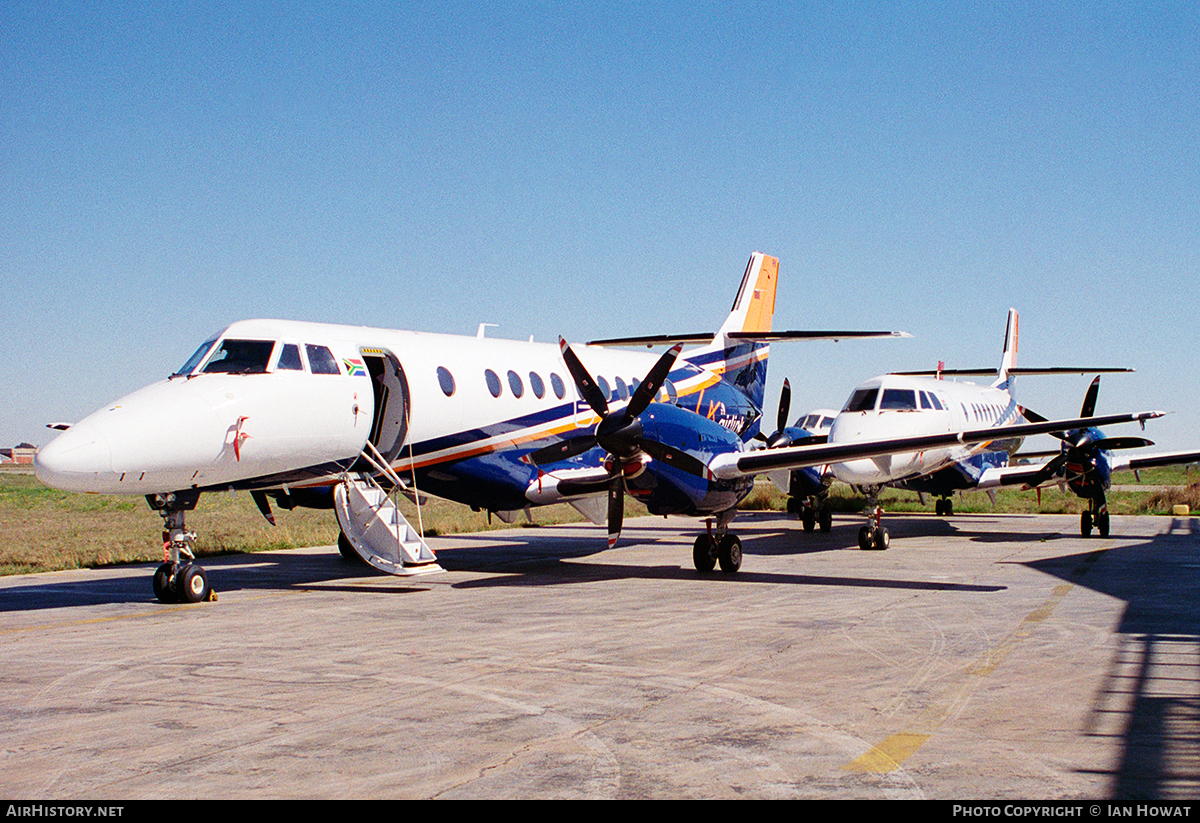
<point x="354" y="368"/>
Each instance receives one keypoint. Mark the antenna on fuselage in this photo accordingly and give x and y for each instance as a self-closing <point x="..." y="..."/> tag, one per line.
<point x="482" y="326"/>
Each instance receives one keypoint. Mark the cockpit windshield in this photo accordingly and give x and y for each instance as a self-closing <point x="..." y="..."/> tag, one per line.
<point x="195" y="359"/>
<point x="899" y="399"/>
<point x="862" y="400"/>
<point x="241" y="357"/>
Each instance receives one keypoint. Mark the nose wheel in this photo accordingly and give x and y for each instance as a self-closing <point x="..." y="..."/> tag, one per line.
<point x="182" y="583"/>
<point x="1097" y="516"/>
<point x="874" y="536"/>
<point x="178" y="579"/>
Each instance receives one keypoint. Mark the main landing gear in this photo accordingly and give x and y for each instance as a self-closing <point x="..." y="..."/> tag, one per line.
<point x="813" y="511"/>
<point x="178" y="579"/>
<point x="944" y="507"/>
<point x="1097" y="515"/>
<point x="720" y="547"/>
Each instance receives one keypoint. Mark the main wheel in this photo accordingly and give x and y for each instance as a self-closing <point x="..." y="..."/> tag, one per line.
<point x="345" y="549"/>
<point x="1085" y="524"/>
<point x="162" y="583"/>
<point x="729" y="553"/>
<point x="1102" y="524"/>
<point x="192" y="584"/>
<point x="825" y="519"/>
<point x="704" y="553"/>
<point x="809" y="518"/>
<point x="939" y="507"/>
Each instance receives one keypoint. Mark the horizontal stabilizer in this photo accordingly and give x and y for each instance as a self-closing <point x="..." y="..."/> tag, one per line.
<point x="749" y="336"/>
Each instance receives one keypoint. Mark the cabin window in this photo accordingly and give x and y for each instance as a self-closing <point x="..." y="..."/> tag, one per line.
<point x="195" y="359"/>
<point x="556" y="384"/>
<point x="493" y="382"/>
<point x="446" y="381"/>
<point x="862" y="400"/>
<point x="622" y="389"/>
<point x="321" y="360"/>
<point x="289" y="358"/>
<point x="899" y="399"/>
<point x="604" y="387"/>
<point x="535" y="383"/>
<point x="241" y="357"/>
<point x="514" y="383"/>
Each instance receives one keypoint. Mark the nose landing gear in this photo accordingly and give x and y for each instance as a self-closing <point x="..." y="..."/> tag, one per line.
<point x="178" y="579"/>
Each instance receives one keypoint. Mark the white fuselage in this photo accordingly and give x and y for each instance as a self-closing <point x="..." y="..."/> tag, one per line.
<point x="894" y="406"/>
<point x="445" y="398"/>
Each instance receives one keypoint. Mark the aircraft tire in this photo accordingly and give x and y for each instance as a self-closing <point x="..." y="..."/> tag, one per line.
<point x="729" y="553"/>
<point x="346" y="550"/>
<point x="864" y="539"/>
<point x="1085" y="524"/>
<point x="825" y="519"/>
<point x="191" y="584"/>
<point x="809" y="519"/>
<point x="1102" y="524"/>
<point x="162" y="583"/>
<point x="881" y="538"/>
<point x="704" y="554"/>
<point x="939" y="507"/>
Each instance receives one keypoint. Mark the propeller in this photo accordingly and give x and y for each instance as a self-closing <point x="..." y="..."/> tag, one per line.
<point x="619" y="433"/>
<point x="1078" y="443"/>
<point x="781" y="437"/>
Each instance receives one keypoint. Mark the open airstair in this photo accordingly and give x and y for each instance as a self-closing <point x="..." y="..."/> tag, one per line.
<point x="376" y="528"/>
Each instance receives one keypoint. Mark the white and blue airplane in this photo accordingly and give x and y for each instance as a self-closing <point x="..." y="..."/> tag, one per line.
<point x="914" y="404"/>
<point x="331" y="416"/>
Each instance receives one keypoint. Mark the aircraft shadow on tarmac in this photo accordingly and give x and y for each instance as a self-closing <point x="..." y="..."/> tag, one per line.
<point x="1151" y="691"/>
<point x="518" y="557"/>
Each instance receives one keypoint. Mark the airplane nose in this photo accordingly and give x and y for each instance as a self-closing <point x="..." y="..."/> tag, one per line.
<point x="73" y="461"/>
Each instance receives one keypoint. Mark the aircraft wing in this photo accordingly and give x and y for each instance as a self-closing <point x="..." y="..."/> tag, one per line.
<point x="1015" y="371"/>
<point x="1151" y="461"/>
<point x="796" y="457"/>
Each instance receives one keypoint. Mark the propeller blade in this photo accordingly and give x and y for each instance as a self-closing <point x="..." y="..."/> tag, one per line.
<point x="561" y="451"/>
<point x="675" y="457"/>
<point x="785" y="402"/>
<point x="1047" y="471"/>
<point x="647" y="390"/>
<point x="1112" y="443"/>
<point x="616" y="507"/>
<point x="1089" y="399"/>
<point x="588" y="389"/>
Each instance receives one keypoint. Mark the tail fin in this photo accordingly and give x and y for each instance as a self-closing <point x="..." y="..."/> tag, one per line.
<point x="1008" y="360"/>
<point x="742" y="362"/>
<point x="754" y="307"/>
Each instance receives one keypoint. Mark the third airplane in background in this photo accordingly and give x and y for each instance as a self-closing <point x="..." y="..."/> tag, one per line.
<point x="911" y="404"/>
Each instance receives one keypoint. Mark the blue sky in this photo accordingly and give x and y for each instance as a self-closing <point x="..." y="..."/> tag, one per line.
<point x="604" y="171"/>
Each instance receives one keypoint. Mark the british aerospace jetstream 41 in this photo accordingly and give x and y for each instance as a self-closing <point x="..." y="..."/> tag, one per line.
<point x="329" y="416"/>
<point x="960" y="436"/>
